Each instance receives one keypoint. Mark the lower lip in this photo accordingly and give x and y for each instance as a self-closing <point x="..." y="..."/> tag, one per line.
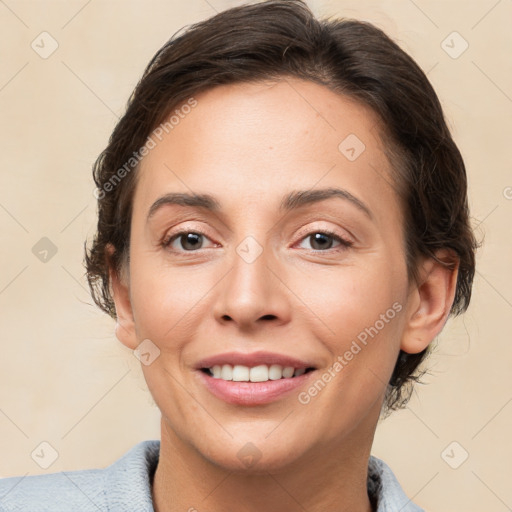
<point x="252" y="393"/>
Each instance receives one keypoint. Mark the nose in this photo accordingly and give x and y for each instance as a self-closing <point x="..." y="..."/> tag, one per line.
<point x="253" y="293"/>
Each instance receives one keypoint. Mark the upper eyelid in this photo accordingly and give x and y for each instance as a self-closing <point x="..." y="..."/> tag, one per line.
<point x="169" y="238"/>
<point x="345" y="237"/>
<point x="302" y="232"/>
<point x="331" y="231"/>
<point x="345" y="242"/>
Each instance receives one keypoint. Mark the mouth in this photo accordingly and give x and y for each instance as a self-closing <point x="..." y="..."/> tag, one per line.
<point x="260" y="373"/>
<point x="256" y="378"/>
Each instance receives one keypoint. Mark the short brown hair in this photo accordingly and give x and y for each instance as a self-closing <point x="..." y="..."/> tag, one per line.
<point x="282" y="38"/>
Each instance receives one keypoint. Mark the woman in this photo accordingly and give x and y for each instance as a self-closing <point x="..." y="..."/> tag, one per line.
<point x="283" y="230"/>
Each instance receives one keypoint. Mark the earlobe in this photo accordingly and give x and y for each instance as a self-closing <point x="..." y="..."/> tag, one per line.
<point x="431" y="302"/>
<point x="119" y="285"/>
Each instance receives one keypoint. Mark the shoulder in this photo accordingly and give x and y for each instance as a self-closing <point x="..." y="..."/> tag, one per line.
<point x="124" y="485"/>
<point x="386" y="490"/>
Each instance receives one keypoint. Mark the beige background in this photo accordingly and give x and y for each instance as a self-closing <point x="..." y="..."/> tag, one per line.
<point x="66" y="380"/>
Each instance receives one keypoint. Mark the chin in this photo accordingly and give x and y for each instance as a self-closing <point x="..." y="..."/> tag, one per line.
<point x="252" y="461"/>
<point x="256" y="454"/>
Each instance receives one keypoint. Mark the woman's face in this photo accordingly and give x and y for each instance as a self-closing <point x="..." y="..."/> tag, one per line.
<point x="277" y="267"/>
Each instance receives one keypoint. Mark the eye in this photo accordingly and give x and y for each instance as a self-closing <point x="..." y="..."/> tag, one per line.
<point x="189" y="241"/>
<point x="323" y="240"/>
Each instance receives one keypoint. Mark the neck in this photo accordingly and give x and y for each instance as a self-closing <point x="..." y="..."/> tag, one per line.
<point x="326" y="477"/>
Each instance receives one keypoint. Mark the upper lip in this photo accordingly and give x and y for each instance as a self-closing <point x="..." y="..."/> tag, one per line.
<point x="253" y="359"/>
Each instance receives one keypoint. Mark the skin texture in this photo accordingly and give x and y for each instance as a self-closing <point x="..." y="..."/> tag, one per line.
<point x="249" y="145"/>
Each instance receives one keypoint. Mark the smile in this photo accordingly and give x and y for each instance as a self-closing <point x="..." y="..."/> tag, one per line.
<point x="260" y="373"/>
<point x="247" y="392"/>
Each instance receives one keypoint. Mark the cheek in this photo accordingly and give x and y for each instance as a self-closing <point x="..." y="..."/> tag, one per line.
<point x="165" y="298"/>
<point x="347" y="300"/>
<point x="360" y="314"/>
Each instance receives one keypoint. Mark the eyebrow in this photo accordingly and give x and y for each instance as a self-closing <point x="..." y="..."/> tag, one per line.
<point x="301" y="198"/>
<point x="292" y="201"/>
<point x="197" y="200"/>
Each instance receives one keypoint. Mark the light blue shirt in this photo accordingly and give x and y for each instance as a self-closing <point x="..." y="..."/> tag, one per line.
<point x="125" y="486"/>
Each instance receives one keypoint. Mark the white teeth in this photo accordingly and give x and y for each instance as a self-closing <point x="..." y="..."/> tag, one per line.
<point x="240" y="373"/>
<point x="288" y="372"/>
<point x="275" y="372"/>
<point x="226" y="372"/>
<point x="261" y="373"/>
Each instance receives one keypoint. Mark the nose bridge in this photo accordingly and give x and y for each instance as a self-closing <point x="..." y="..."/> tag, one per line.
<point x="251" y="265"/>
<point x="251" y="288"/>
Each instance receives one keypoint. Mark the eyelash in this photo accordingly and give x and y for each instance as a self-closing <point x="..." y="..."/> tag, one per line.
<point x="170" y="239"/>
<point x="344" y="243"/>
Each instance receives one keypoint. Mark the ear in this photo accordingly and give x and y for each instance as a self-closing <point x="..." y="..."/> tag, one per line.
<point x="120" y="289"/>
<point x="430" y="301"/>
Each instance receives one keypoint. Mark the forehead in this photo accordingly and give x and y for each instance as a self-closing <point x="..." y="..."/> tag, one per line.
<point x="252" y="141"/>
